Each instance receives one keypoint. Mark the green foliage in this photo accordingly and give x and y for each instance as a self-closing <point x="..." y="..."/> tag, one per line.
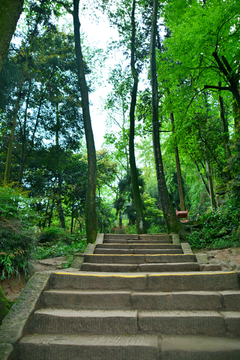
<point x="16" y="234"/>
<point x="218" y="230"/>
<point x="54" y="234"/>
<point x="233" y="167"/>
<point x="4" y="305"/>
<point x="49" y="250"/>
<point x="153" y="216"/>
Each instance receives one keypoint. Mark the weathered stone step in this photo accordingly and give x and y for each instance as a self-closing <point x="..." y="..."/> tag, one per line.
<point x="188" y="300"/>
<point x="150" y="267"/>
<point x="210" y="323"/>
<point x="138" y="246"/>
<point x="138" y="259"/>
<point x="120" y="322"/>
<point x="189" y="281"/>
<point x="199" y="348"/>
<point x="137" y="251"/>
<point x="88" y="347"/>
<point x="137" y="237"/>
<point x="136" y="241"/>
<point x="98" y="322"/>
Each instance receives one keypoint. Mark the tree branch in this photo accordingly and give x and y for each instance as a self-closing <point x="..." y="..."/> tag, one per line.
<point x="217" y="87"/>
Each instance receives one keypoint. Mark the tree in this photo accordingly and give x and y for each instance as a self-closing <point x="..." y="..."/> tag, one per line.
<point x="141" y="228"/>
<point x="173" y="224"/>
<point x="91" y="215"/>
<point x="10" y="13"/>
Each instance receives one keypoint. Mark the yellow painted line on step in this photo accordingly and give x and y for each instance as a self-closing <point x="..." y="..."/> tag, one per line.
<point x="150" y="274"/>
<point x="138" y="255"/>
<point x="101" y="275"/>
<point x="196" y="274"/>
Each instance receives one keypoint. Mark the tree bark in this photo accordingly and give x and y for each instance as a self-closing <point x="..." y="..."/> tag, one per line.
<point x="172" y="222"/>
<point x="233" y="81"/>
<point x="11" y="137"/>
<point x="9" y="15"/>
<point x="141" y="228"/>
<point x="179" y="174"/>
<point x="90" y="209"/>
<point x="59" y="173"/>
<point x="210" y="186"/>
<point x="224" y="127"/>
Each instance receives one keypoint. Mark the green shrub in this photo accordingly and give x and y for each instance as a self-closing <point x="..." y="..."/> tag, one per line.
<point x="218" y="230"/>
<point x="49" y="250"/>
<point x="54" y="234"/>
<point x="16" y="234"/>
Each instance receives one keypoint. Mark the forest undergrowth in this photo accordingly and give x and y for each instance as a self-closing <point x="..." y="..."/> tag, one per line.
<point x="21" y="239"/>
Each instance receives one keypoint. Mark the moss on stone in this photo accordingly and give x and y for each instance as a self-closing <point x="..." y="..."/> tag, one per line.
<point x="4" y="305"/>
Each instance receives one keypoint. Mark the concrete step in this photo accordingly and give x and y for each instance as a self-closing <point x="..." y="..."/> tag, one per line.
<point x="199" y="348"/>
<point x="128" y="300"/>
<point x="150" y="267"/>
<point x="120" y="322"/>
<point x="137" y="251"/>
<point x="138" y="259"/>
<point x="88" y="347"/>
<point x="138" y="246"/>
<point x="188" y="281"/>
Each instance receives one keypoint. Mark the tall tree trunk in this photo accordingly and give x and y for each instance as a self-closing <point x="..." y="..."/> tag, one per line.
<point x="59" y="173"/>
<point x="11" y="138"/>
<point x="179" y="174"/>
<point x="210" y="185"/>
<point x="202" y="178"/>
<point x="224" y="125"/>
<point x="9" y="15"/>
<point x="141" y="228"/>
<point x="172" y="222"/>
<point x="90" y="209"/>
<point x="51" y="213"/>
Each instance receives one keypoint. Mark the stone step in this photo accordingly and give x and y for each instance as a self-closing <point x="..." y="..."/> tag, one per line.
<point x="150" y="267"/>
<point x="88" y="347"/>
<point x="138" y="259"/>
<point x="136" y="241"/>
<point x="199" y="348"/>
<point x="189" y="281"/>
<point x="138" y="246"/>
<point x="137" y="251"/>
<point x="120" y="322"/>
<point x="128" y="300"/>
<point x="98" y="322"/>
<point x="137" y="237"/>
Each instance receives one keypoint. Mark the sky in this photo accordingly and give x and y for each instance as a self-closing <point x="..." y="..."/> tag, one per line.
<point x="98" y="35"/>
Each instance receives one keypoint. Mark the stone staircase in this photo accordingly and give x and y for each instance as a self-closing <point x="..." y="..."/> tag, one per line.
<point x="136" y="298"/>
<point x="138" y="253"/>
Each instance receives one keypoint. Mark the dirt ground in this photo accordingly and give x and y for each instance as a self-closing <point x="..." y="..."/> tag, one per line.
<point x="229" y="259"/>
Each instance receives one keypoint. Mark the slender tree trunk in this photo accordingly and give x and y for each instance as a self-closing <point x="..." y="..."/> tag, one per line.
<point x="210" y="185"/>
<point x="59" y="172"/>
<point x="224" y="125"/>
<point x="9" y="15"/>
<point x="90" y="209"/>
<point x="202" y="178"/>
<point x="172" y="222"/>
<point x="51" y="213"/>
<point x="179" y="174"/>
<point x="11" y="138"/>
<point x="72" y="217"/>
<point x="141" y="228"/>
